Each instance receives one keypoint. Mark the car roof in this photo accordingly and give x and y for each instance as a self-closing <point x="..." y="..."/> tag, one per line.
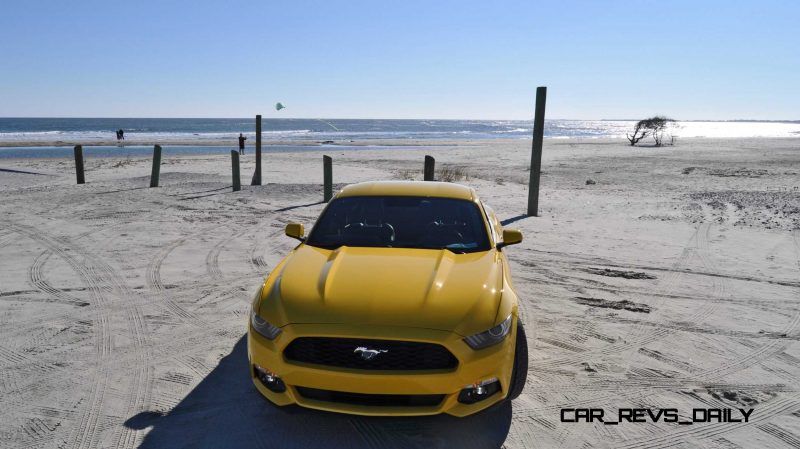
<point x="409" y="188"/>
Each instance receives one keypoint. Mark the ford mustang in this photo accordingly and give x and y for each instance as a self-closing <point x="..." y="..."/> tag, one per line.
<point x="398" y="302"/>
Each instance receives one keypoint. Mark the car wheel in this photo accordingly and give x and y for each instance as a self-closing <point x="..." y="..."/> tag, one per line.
<point x="519" y="373"/>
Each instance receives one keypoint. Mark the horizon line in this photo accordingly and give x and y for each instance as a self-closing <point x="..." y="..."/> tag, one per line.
<point x="406" y="119"/>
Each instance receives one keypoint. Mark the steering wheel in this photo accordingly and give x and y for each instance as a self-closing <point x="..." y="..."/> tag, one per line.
<point x="436" y="225"/>
<point x="391" y="230"/>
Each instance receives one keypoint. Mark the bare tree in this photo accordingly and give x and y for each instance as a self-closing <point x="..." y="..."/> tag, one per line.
<point x="639" y="133"/>
<point x="653" y="126"/>
<point x="657" y="126"/>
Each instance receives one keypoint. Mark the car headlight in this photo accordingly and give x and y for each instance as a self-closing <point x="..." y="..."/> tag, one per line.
<point x="263" y="326"/>
<point x="491" y="337"/>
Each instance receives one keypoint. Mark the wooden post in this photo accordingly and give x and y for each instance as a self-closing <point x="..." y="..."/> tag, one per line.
<point x="156" y="166"/>
<point x="257" y="175"/>
<point x="536" y="153"/>
<point x="237" y="183"/>
<point x="79" y="164"/>
<point x="327" y="178"/>
<point x="430" y="162"/>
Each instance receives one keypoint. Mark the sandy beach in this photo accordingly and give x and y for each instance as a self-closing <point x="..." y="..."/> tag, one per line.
<point x="653" y="278"/>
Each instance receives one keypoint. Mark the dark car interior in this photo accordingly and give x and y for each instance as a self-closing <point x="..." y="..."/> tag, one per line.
<point x="401" y="222"/>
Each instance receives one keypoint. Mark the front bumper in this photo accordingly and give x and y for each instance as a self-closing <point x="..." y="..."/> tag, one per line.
<point x="474" y="366"/>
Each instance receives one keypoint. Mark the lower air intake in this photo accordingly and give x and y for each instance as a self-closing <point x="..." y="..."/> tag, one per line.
<point x="375" y="400"/>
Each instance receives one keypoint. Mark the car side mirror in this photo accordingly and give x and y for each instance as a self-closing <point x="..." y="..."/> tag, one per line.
<point x="296" y="231"/>
<point x="510" y="237"/>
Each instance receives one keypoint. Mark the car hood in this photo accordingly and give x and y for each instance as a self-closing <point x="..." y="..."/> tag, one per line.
<point x="432" y="289"/>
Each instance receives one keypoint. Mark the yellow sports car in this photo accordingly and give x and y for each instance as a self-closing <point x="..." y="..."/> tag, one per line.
<point x="398" y="302"/>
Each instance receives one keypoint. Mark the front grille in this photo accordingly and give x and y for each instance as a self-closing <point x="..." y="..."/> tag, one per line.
<point x="375" y="400"/>
<point x="399" y="355"/>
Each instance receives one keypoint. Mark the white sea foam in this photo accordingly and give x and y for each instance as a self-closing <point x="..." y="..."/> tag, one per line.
<point x="515" y="130"/>
<point x="134" y="136"/>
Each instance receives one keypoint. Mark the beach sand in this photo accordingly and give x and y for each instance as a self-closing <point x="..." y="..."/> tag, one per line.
<point x="672" y="280"/>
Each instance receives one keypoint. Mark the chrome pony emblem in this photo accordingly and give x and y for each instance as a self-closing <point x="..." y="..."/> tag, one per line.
<point x="368" y="354"/>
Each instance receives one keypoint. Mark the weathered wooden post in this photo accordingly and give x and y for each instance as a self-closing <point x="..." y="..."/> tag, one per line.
<point x="79" y="164"/>
<point x="237" y="185"/>
<point x="430" y="162"/>
<point x="257" y="175"/>
<point x="156" y="166"/>
<point x="327" y="178"/>
<point x="536" y="152"/>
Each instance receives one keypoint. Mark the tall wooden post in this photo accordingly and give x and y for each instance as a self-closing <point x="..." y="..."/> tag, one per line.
<point x="327" y="178"/>
<point x="237" y="182"/>
<point x="257" y="174"/>
<point x="536" y="153"/>
<point x="156" y="166"/>
<point x="79" y="164"/>
<point x="430" y="163"/>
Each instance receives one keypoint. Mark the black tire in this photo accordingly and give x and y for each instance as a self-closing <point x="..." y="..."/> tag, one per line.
<point x="519" y="373"/>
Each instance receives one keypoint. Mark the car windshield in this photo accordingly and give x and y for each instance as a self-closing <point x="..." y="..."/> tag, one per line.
<point x="401" y="222"/>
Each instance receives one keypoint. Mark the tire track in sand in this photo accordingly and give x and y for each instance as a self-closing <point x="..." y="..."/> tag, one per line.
<point x="84" y="432"/>
<point x="99" y="278"/>
<point x="761" y="415"/>
<point x="760" y="353"/>
<point x="258" y="249"/>
<point x="212" y="258"/>
<point x="765" y="412"/>
<point x="36" y="280"/>
<point x="639" y="395"/>
<point x="139" y="394"/>
<point x="139" y="387"/>
<point x="156" y="284"/>
<point x="640" y="334"/>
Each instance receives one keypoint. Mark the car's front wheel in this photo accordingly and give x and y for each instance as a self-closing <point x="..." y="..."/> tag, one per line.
<point x="519" y="373"/>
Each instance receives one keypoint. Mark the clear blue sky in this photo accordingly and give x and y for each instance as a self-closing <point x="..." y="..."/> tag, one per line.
<point x="405" y="59"/>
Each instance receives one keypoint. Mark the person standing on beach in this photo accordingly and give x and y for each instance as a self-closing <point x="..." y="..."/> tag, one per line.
<point x="241" y="143"/>
<point x="121" y="134"/>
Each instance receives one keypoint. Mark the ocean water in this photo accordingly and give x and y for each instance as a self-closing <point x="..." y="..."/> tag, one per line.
<point x="201" y="135"/>
<point x="171" y="129"/>
<point x="136" y="150"/>
<point x="165" y="130"/>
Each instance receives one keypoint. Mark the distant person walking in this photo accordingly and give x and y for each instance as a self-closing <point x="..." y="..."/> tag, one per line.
<point x="241" y="143"/>
<point x="120" y="135"/>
